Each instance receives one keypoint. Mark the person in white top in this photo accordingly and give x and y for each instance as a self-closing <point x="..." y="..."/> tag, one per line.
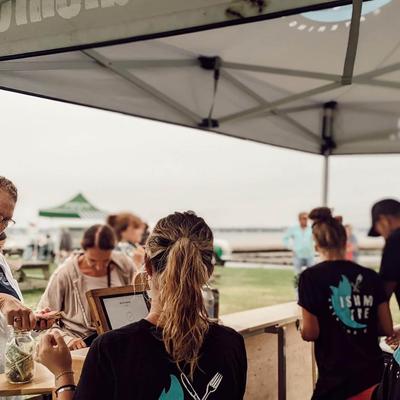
<point x="12" y="310"/>
<point x="129" y="229"/>
<point x="97" y="266"/>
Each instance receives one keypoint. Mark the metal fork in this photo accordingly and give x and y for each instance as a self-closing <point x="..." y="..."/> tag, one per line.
<point x="213" y="385"/>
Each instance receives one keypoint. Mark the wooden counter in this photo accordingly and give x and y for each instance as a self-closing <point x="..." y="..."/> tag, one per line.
<point x="43" y="382"/>
<point x="250" y="321"/>
<point x="280" y="363"/>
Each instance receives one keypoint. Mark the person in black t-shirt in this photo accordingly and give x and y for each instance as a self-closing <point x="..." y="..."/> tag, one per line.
<point x="344" y="310"/>
<point x="176" y="353"/>
<point x="386" y="223"/>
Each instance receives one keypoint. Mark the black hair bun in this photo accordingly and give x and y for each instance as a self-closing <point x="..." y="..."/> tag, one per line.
<point x="321" y="214"/>
<point x="111" y="220"/>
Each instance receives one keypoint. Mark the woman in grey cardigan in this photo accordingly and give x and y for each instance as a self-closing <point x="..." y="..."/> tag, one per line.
<point x="98" y="266"/>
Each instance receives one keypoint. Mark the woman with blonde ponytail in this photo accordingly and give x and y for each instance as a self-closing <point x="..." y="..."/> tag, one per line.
<point x="176" y="353"/>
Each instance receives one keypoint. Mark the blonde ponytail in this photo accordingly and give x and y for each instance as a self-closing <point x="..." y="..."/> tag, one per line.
<point x="180" y="250"/>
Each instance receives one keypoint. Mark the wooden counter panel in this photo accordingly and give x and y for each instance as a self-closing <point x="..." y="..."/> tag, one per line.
<point x="299" y="365"/>
<point x="262" y="374"/>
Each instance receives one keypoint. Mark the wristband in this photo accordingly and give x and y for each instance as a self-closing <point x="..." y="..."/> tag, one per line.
<point x="64" y="373"/>
<point x="65" y="388"/>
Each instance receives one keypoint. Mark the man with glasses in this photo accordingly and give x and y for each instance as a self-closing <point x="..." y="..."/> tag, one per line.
<point x="299" y="239"/>
<point x="12" y="311"/>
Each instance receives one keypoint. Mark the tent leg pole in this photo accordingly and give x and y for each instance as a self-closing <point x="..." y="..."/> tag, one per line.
<point x="325" y="193"/>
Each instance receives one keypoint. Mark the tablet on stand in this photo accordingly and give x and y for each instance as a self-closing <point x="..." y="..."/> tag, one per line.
<point x="113" y="308"/>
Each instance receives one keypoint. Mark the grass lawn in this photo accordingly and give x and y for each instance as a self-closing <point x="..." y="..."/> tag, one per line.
<point x="243" y="289"/>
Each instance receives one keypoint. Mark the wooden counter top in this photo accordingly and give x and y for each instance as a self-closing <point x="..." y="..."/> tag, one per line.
<point x="245" y="322"/>
<point x="250" y="321"/>
<point x="43" y="382"/>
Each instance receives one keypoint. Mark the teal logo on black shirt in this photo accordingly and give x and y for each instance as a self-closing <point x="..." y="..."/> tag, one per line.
<point x="348" y="303"/>
<point x="175" y="391"/>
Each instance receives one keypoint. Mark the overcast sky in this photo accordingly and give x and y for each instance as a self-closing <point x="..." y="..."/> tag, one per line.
<point x="54" y="150"/>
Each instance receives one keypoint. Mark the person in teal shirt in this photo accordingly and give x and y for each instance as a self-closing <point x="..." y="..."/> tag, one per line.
<point x="299" y="239"/>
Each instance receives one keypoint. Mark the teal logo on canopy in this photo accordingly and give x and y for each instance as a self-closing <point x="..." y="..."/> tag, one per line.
<point x="349" y="305"/>
<point x="343" y="13"/>
<point x="175" y="391"/>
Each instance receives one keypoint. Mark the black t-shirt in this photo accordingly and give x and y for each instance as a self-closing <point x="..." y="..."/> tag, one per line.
<point x="131" y="363"/>
<point x="5" y="286"/>
<point x="344" y="297"/>
<point x="390" y="264"/>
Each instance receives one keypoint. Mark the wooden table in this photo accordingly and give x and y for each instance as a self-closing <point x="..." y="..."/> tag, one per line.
<point x="43" y="265"/>
<point x="42" y="383"/>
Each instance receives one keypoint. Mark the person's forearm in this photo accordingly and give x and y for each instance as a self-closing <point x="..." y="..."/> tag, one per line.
<point x="3" y="299"/>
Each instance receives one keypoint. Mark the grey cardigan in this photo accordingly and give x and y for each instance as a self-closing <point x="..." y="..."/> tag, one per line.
<point x="66" y="293"/>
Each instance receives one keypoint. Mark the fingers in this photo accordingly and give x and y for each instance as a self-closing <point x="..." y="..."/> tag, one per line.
<point x="32" y="320"/>
<point x="49" y="323"/>
<point x="42" y="324"/>
<point x="10" y="318"/>
<point x="46" y="343"/>
<point x="17" y="320"/>
<point x="59" y="339"/>
<point x="76" y="344"/>
<point x="81" y="344"/>
<point x="48" y="340"/>
<point x="19" y="316"/>
<point x="26" y="323"/>
<point x="28" y="320"/>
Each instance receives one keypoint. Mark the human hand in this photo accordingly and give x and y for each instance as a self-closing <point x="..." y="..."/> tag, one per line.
<point x="16" y="314"/>
<point x="46" y="319"/>
<point x="54" y="354"/>
<point x="138" y="256"/>
<point x="394" y="340"/>
<point x="76" y="344"/>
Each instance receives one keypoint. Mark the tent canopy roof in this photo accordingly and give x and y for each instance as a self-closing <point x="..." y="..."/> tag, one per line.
<point x="284" y="82"/>
<point x="77" y="207"/>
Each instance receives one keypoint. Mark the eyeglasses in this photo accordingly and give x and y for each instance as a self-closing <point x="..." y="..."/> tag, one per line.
<point x="6" y="221"/>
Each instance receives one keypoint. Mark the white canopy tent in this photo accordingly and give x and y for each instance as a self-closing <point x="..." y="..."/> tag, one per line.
<point x="325" y="82"/>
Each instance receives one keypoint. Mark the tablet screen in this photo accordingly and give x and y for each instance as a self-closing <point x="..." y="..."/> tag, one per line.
<point x="122" y="310"/>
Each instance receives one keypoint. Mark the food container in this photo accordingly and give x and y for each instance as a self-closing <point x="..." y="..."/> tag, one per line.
<point x="19" y="354"/>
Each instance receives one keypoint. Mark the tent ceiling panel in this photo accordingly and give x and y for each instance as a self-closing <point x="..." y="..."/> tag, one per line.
<point x="259" y="44"/>
<point x="47" y="26"/>
<point x="277" y="131"/>
<point x="266" y="81"/>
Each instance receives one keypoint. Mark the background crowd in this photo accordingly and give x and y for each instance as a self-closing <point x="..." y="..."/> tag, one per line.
<point x="177" y="351"/>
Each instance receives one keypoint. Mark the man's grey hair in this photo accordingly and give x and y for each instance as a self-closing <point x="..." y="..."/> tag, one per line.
<point x="7" y="186"/>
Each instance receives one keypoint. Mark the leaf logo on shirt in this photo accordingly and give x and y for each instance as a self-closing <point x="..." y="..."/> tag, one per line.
<point x="341" y="299"/>
<point x="175" y="391"/>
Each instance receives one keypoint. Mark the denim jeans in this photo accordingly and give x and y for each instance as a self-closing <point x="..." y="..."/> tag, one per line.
<point x="300" y="262"/>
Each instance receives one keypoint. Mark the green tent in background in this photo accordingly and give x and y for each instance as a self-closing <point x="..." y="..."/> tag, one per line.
<point x="77" y="207"/>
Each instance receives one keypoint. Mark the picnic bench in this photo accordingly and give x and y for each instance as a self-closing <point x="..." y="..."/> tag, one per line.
<point x="31" y="265"/>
